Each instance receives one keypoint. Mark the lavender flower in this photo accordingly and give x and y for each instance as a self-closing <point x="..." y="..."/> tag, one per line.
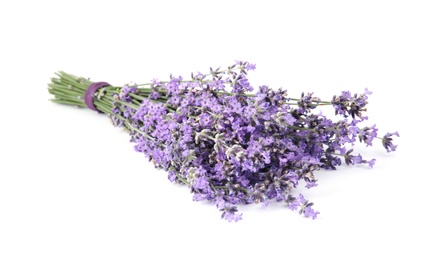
<point x="348" y="105"/>
<point x="230" y="146"/>
<point x="230" y="214"/>
<point x="306" y="208"/>
<point x="387" y="141"/>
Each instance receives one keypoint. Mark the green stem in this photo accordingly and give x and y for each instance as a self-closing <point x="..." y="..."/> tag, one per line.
<point x="67" y="102"/>
<point x="182" y="179"/>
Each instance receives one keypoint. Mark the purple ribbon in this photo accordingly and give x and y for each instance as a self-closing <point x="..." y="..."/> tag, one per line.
<point x="90" y="92"/>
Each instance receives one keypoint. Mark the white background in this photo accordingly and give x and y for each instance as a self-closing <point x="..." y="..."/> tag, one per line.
<point x="72" y="187"/>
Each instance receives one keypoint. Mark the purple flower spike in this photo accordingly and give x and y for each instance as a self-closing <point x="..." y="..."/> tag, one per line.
<point x="292" y="202"/>
<point x="387" y="142"/>
<point x="230" y="214"/>
<point x="310" y="213"/>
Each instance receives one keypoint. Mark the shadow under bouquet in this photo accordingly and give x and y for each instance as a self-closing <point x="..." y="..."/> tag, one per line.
<point x="229" y="144"/>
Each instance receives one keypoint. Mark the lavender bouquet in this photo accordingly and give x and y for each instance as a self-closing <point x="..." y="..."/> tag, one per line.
<point x="231" y="146"/>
